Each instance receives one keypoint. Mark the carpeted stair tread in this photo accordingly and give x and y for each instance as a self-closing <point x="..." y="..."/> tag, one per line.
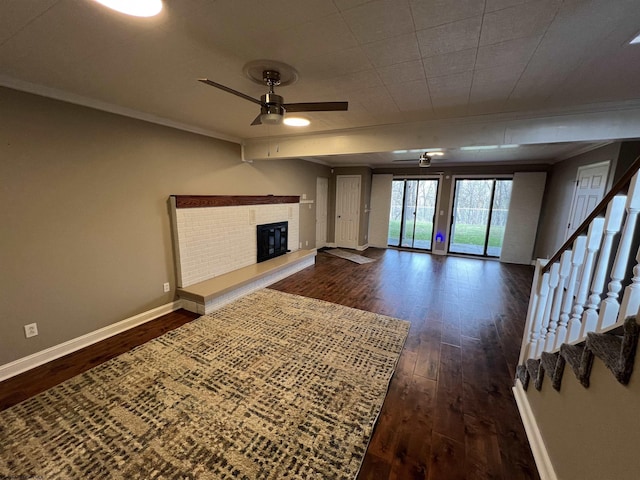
<point x="523" y="375"/>
<point x="553" y="365"/>
<point x="533" y="367"/>
<point x="580" y="359"/>
<point x="617" y="352"/>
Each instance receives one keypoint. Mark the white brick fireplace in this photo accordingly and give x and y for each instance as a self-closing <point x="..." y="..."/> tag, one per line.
<point x="214" y="235"/>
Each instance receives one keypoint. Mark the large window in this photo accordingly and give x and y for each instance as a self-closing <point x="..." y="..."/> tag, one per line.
<point x="413" y="204"/>
<point x="479" y="216"/>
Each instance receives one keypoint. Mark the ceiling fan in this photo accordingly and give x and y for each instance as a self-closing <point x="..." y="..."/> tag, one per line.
<point x="425" y="159"/>
<point x="272" y="106"/>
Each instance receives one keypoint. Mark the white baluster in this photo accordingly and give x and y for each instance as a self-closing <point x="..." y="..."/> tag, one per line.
<point x="546" y="317"/>
<point x="594" y="237"/>
<point x="577" y="257"/>
<point x="631" y="299"/>
<point x="554" y="308"/>
<point x="528" y="334"/>
<point x="610" y="307"/>
<point x="538" y="319"/>
<point x="612" y="224"/>
<point x="565" y="270"/>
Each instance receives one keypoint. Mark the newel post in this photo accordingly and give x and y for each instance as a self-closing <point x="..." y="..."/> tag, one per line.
<point x="610" y="306"/>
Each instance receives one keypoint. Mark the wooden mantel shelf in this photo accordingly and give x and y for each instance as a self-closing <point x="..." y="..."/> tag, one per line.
<point x="200" y="201"/>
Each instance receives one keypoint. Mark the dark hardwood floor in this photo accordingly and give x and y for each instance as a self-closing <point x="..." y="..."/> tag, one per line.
<point x="449" y="413"/>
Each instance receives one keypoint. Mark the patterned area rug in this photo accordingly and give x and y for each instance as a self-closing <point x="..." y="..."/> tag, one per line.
<point x="272" y="386"/>
<point x="353" y="257"/>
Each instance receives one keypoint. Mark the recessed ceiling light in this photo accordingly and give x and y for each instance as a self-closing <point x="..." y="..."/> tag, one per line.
<point x="480" y="147"/>
<point x="296" y="121"/>
<point x="136" y="8"/>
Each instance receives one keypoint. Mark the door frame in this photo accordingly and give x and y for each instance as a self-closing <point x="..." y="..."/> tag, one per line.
<point x="575" y="190"/>
<point x="335" y="226"/>
<point x="436" y="177"/>
<point x="502" y="176"/>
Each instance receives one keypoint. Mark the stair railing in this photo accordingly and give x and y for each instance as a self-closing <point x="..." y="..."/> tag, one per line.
<point x="566" y="295"/>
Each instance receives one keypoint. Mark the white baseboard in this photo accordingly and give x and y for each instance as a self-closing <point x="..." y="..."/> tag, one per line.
<point x="34" y="360"/>
<point x="538" y="448"/>
<point x="331" y="245"/>
<point x="362" y="247"/>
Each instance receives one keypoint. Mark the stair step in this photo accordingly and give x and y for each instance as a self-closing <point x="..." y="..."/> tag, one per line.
<point x="617" y="351"/>
<point x="553" y="364"/>
<point x="533" y="367"/>
<point x="523" y="375"/>
<point x="580" y="359"/>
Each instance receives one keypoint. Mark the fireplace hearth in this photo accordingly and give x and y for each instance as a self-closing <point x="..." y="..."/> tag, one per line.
<point x="272" y="240"/>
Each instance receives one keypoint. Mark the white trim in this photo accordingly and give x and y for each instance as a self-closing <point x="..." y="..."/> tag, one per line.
<point x="37" y="89"/>
<point x="362" y="247"/>
<point x="34" y="360"/>
<point x="331" y="245"/>
<point x="538" y="448"/>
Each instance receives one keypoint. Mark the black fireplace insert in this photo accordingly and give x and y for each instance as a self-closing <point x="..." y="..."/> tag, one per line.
<point x="272" y="240"/>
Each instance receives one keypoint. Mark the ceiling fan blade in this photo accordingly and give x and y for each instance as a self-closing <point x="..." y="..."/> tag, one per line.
<point x="257" y="120"/>
<point x="229" y="90"/>
<point x="316" y="107"/>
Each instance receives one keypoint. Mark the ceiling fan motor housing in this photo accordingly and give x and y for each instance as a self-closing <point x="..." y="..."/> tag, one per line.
<point x="272" y="111"/>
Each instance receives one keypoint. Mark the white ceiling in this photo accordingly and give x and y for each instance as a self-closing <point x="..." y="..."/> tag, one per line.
<point x="401" y="65"/>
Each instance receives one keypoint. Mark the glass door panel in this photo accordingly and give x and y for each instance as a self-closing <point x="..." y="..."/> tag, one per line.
<point x="499" y="211"/>
<point x="472" y="203"/>
<point x="425" y="213"/>
<point x="395" y="215"/>
<point x="409" y="217"/>
<point x="480" y="209"/>
<point x="412" y="213"/>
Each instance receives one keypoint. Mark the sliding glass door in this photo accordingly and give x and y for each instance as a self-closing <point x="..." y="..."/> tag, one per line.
<point x="479" y="217"/>
<point x="413" y="204"/>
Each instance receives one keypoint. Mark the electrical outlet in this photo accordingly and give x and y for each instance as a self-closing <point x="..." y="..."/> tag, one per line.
<point x="166" y="287"/>
<point x="31" y="330"/>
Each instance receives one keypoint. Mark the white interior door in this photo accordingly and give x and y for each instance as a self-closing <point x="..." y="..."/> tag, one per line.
<point x="590" y="186"/>
<point x="347" y="210"/>
<point x="322" y="194"/>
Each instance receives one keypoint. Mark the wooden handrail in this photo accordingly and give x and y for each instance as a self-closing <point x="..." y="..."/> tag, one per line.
<point x="601" y="207"/>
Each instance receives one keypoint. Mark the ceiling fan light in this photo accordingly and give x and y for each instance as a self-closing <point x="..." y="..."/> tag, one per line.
<point x="271" y="118"/>
<point x="136" y="8"/>
<point x="296" y="122"/>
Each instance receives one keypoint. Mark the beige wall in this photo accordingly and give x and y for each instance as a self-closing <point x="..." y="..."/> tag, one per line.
<point x="556" y="204"/>
<point x="446" y="184"/>
<point x="590" y="434"/>
<point x="365" y="201"/>
<point x="86" y="238"/>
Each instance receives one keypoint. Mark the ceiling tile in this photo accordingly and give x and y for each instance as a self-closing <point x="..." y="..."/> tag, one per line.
<point x="347" y="4"/>
<point x="357" y="80"/>
<point x="452" y="37"/>
<point x="450" y="63"/>
<point x="335" y="64"/>
<point x="13" y="19"/>
<point x="438" y="12"/>
<point x="493" y="5"/>
<point x="321" y="36"/>
<point x="526" y="20"/>
<point x="402" y="72"/>
<point x="376" y="101"/>
<point x="511" y="52"/>
<point x="393" y="50"/>
<point x="450" y="90"/>
<point x="411" y="96"/>
<point x="379" y="20"/>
